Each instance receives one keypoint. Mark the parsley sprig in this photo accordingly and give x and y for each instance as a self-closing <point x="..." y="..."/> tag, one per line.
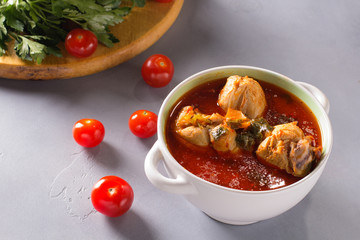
<point x="37" y="26"/>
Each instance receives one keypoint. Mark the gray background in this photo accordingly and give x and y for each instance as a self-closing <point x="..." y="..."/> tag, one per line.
<point x="46" y="178"/>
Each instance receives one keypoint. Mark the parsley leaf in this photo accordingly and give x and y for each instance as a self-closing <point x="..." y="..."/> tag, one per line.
<point x="29" y="50"/>
<point x="3" y="30"/>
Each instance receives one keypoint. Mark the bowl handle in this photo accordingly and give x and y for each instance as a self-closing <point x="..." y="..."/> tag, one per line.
<point x="177" y="185"/>
<point x="318" y="94"/>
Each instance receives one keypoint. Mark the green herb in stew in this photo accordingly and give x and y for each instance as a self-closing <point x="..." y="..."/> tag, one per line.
<point x="254" y="134"/>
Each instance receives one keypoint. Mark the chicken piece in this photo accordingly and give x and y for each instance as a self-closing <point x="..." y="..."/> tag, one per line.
<point x="192" y="117"/>
<point x="216" y="119"/>
<point x="196" y="135"/>
<point x="244" y="94"/>
<point x="194" y="126"/>
<point x="289" y="149"/>
<point x="288" y="132"/>
<point x="302" y="155"/>
<point x="223" y="138"/>
<point x="186" y="118"/>
<point x="236" y="119"/>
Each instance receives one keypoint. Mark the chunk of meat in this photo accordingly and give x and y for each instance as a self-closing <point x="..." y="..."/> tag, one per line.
<point x="216" y="119"/>
<point x="236" y="119"/>
<point x="189" y="116"/>
<point x="223" y="138"/>
<point x="194" y="126"/>
<point x="302" y="155"/>
<point x="288" y="132"/>
<point x="196" y="135"/>
<point x="244" y="94"/>
<point x="289" y="149"/>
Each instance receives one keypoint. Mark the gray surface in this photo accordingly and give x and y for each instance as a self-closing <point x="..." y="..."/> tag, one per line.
<point x="46" y="178"/>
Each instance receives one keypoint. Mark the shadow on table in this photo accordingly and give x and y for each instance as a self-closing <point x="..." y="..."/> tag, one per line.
<point x="105" y="155"/>
<point x="131" y="226"/>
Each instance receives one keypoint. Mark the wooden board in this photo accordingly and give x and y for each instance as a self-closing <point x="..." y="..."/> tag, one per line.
<point x="142" y="28"/>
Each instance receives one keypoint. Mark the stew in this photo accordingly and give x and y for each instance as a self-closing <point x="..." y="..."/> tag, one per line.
<point x="241" y="168"/>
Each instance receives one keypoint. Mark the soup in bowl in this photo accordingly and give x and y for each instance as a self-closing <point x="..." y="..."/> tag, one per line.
<point x="242" y="144"/>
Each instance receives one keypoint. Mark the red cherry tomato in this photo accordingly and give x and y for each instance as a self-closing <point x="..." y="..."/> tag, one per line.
<point x="157" y="70"/>
<point x="142" y="123"/>
<point x="88" y="132"/>
<point x="164" y="1"/>
<point x="112" y="196"/>
<point x="81" y="43"/>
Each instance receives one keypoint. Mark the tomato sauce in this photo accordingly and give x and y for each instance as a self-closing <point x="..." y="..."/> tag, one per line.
<point x="241" y="170"/>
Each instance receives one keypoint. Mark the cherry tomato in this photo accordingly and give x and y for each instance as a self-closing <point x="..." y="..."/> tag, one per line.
<point x="112" y="196"/>
<point x="88" y="132"/>
<point x="164" y="1"/>
<point x="142" y="123"/>
<point x="157" y="70"/>
<point x="81" y="43"/>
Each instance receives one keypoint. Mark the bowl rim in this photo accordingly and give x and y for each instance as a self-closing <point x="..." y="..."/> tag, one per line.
<point x="165" y="151"/>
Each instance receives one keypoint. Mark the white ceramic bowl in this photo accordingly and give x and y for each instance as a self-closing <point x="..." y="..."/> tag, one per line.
<point x="228" y="205"/>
